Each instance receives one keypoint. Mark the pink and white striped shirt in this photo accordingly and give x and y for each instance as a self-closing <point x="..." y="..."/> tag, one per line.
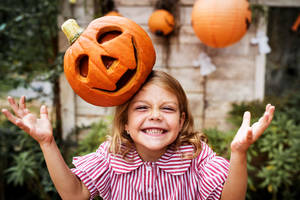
<point x="171" y="177"/>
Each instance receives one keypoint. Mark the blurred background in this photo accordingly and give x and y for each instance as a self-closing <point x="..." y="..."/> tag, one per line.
<point x="261" y="65"/>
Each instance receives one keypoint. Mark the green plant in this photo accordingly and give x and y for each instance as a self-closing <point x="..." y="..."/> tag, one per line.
<point x="274" y="160"/>
<point x="281" y="147"/>
<point x="90" y="142"/>
<point x="220" y="141"/>
<point x="28" y="34"/>
<point x="22" y="166"/>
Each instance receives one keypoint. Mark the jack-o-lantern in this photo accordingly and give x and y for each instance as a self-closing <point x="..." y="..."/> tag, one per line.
<point x="109" y="61"/>
<point x="161" y="22"/>
<point x="220" y="23"/>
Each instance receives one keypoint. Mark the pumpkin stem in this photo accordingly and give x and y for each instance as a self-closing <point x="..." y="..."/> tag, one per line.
<point x="71" y="30"/>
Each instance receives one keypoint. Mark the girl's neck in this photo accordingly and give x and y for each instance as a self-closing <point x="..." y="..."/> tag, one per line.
<point x="149" y="155"/>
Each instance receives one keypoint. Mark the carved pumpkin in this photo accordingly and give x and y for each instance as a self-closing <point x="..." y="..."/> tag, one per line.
<point x="220" y="23"/>
<point x="109" y="61"/>
<point x="161" y="22"/>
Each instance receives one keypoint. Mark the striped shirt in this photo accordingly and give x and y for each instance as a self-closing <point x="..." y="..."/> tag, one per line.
<point x="171" y="177"/>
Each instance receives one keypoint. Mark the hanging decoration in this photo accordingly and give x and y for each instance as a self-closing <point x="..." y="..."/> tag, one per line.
<point x="296" y="25"/>
<point x="113" y="13"/>
<point x="161" y="22"/>
<point x="220" y="23"/>
<point x="109" y="61"/>
<point x="261" y="40"/>
<point x="206" y="66"/>
<point x="105" y="8"/>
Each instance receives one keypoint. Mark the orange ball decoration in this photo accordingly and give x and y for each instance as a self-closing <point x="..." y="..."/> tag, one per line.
<point x="109" y="61"/>
<point x="220" y="23"/>
<point x="161" y="22"/>
<point x="113" y="13"/>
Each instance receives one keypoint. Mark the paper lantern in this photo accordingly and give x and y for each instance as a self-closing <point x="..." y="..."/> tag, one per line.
<point x="161" y="22"/>
<point x="109" y="61"/>
<point x="220" y="23"/>
<point x="113" y="13"/>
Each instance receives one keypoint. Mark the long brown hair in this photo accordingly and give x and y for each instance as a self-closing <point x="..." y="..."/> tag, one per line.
<point x="121" y="142"/>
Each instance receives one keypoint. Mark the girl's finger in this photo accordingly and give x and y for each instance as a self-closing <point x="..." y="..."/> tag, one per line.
<point x="249" y="135"/>
<point x="271" y="113"/>
<point x="9" y="116"/>
<point x="43" y="112"/>
<point x="265" y="121"/>
<point x="268" y="106"/>
<point x="246" y="119"/>
<point x="22" y="104"/>
<point x="13" y="104"/>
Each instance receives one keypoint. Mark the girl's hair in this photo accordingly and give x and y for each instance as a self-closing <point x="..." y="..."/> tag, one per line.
<point x="121" y="142"/>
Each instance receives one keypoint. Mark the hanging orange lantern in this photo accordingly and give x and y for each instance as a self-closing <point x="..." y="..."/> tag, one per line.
<point x="220" y="23"/>
<point x="296" y="24"/>
<point x="109" y="61"/>
<point x="113" y="13"/>
<point x="161" y="22"/>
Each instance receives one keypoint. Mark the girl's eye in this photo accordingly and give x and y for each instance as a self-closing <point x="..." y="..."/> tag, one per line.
<point x="141" y="107"/>
<point x="168" y="109"/>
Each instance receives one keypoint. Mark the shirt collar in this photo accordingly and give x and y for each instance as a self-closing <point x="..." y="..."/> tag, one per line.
<point x="171" y="161"/>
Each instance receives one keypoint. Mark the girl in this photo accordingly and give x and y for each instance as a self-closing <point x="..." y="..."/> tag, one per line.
<point x="153" y="153"/>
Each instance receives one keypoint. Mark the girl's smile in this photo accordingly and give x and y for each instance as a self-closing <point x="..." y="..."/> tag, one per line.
<point x="154" y="131"/>
<point x="154" y="121"/>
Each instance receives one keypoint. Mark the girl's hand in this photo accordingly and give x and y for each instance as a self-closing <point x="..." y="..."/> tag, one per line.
<point x="38" y="128"/>
<point x="247" y="135"/>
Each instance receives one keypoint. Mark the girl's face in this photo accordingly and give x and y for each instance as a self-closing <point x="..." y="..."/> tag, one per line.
<point x="154" y="121"/>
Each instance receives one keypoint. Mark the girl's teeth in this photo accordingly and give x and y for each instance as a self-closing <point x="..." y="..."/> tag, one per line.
<point x="154" y="131"/>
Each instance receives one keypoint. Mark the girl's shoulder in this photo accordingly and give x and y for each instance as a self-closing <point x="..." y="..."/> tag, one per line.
<point x="209" y="159"/>
<point x="104" y="147"/>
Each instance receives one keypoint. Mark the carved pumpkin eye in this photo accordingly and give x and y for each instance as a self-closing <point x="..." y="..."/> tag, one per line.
<point x="82" y="64"/>
<point x="104" y="37"/>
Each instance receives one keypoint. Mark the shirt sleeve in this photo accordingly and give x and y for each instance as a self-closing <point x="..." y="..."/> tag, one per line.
<point x="213" y="171"/>
<point x="94" y="171"/>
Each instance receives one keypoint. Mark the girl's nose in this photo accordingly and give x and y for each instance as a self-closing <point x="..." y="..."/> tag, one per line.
<point x="155" y="115"/>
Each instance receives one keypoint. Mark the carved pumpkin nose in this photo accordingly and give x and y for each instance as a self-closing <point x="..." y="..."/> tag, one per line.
<point x="118" y="62"/>
<point x="126" y="50"/>
<point x="107" y="61"/>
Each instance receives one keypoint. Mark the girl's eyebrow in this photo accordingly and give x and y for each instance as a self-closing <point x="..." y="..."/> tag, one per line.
<point x="164" y="102"/>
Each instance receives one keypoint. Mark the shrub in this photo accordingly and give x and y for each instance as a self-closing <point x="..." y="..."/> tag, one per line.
<point x="23" y="170"/>
<point x="274" y="160"/>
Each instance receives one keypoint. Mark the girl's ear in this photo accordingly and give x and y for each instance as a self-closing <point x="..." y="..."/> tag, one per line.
<point x="126" y="127"/>
<point x="182" y="119"/>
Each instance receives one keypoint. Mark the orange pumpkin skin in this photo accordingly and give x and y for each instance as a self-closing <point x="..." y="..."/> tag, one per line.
<point x="113" y="13"/>
<point x="161" y="22"/>
<point x="109" y="61"/>
<point x="220" y="23"/>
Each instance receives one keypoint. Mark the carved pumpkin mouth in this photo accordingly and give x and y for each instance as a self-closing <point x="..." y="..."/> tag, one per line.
<point x="126" y="77"/>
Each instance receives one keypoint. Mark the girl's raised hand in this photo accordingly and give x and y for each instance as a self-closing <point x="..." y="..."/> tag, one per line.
<point x="38" y="128"/>
<point x="247" y="135"/>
